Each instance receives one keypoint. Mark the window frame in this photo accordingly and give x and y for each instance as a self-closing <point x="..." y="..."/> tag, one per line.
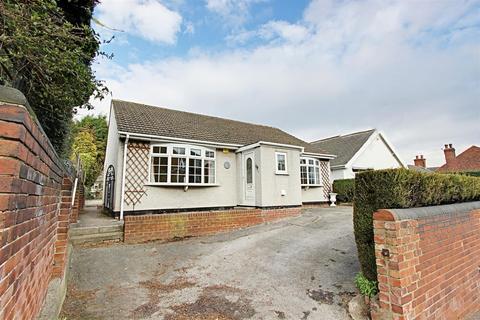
<point x="307" y="165"/>
<point x="277" y="171"/>
<point x="169" y="154"/>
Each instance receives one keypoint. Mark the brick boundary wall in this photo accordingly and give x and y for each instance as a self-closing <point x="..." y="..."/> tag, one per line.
<point x="79" y="202"/>
<point x="35" y="198"/>
<point x="145" y="228"/>
<point x="428" y="262"/>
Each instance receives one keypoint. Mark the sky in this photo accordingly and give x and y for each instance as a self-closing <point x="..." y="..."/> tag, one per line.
<point x="314" y="68"/>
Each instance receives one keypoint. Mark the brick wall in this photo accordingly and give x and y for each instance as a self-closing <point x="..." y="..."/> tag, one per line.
<point x="428" y="262"/>
<point x="168" y="226"/>
<point x="33" y="219"/>
<point x="79" y="202"/>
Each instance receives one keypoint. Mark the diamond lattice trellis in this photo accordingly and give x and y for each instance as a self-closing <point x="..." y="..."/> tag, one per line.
<point x="136" y="172"/>
<point x="325" y="171"/>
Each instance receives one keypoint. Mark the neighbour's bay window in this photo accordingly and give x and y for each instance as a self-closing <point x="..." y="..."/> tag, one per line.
<point x="310" y="172"/>
<point x="182" y="164"/>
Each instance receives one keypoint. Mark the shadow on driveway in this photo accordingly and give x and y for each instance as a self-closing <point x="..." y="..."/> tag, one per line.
<point x="298" y="268"/>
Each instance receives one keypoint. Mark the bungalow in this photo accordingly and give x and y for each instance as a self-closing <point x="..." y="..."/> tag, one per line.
<point x="359" y="151"/>
<point x="163" y="160"/>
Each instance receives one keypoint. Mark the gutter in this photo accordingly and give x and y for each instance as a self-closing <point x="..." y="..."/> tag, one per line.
<point x="124" y="170"/>
<point x="322" y="155"/>
<point x="273" y="144"/>
<point x="148" y="137"/>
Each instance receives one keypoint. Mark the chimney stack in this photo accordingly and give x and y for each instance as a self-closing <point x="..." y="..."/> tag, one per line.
<point x="449" y="152"/>
<point x="420" y="161"/>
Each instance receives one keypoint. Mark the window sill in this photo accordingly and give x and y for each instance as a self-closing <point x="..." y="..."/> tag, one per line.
<point x="311" y="185"/>
<point x="166" y="184"/>
<point x="282" y="173"/>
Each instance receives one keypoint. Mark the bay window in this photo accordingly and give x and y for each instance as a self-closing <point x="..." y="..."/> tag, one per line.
<point x="310" y="172"/>
<point x="181" y="164"/>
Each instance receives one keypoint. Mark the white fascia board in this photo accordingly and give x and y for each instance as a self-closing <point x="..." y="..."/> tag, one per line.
<point x="320" y="155"/>
<point x="338" y="167"/>
<point x="265" y="143"/>
<point x="148" y="137"/>
<point x="392" y="149"/>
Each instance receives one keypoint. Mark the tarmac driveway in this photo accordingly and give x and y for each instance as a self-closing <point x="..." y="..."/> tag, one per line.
<point x="298" y="268"/>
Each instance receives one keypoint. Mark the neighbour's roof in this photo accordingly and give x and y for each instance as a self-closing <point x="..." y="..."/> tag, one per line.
<point x="156" y="121"/>
<point x="344" y="146"/>
<point x="419" y="169"/>
<point x="468" y="160"/>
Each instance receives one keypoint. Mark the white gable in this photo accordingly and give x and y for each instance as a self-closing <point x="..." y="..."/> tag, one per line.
<point x="376" y="154"/>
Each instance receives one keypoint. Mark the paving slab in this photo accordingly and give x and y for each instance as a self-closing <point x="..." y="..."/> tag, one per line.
<point x="298" y="268"/>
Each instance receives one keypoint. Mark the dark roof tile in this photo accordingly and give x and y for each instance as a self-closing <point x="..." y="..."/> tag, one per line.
<point x="150" y="120"/>
<point x="345" y="147"/>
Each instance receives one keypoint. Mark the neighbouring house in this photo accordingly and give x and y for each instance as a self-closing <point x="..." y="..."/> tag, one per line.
<point x="96" y="190"/>
<point x="163" y="160"/>
<point x="359" y="151"/>
<point x="467" y="161"/>
<point x="420" y="165"/>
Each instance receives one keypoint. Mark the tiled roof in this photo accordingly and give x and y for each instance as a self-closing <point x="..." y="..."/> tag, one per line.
<point x="345" y="146"/>
<point x="419" y="169"/>
<point x="150" y="120"/>
<point x="468" y="160"/>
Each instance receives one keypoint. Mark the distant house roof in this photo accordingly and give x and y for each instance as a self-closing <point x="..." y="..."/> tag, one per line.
<point x="156" y="121"/>
<point x="468" y="160"/>
<point x="344" y="146"/>
<point x="419" y="169"/>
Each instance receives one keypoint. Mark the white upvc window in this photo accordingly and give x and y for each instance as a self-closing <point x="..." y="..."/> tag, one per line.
<point x="281" y="163"/>
<point x="178" y="164"/>
<point x="310" y="172"/>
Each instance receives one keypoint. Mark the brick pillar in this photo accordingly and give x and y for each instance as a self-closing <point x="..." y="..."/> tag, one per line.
<point x="62" y="228"/>
<point x="397" y="246"/>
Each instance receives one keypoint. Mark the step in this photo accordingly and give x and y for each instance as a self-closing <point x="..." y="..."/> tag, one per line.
<point x="96" y="238"/>
<point x="78" y="231"/>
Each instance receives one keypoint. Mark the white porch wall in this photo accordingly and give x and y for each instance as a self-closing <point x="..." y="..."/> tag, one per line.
<point x="272" y="184"/>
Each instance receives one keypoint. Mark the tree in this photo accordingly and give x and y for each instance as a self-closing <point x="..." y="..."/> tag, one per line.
<point x="49" y="59"/>
<point x="90" y="129"/>
<point x="84" y="146"/>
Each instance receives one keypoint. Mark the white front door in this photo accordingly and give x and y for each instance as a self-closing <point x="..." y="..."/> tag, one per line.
<point x="249" y="178"/>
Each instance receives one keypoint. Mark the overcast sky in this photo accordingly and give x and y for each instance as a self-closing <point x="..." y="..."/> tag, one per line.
<point x="312" y="68"/>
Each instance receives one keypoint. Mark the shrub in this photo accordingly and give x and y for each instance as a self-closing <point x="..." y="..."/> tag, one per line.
<point x="345" y="188"/>
<point x="366" y="287"/>
<point x="401" y="188"/>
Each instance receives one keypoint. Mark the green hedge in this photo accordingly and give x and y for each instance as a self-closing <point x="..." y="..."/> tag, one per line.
<point x="401" y="188"/>
<point x="345" y="188"/>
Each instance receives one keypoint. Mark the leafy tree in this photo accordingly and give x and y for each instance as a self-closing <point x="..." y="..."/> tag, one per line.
<point x="97" y="129"/>
<point x="84" y="146"/>
<point x="48" y="58"/>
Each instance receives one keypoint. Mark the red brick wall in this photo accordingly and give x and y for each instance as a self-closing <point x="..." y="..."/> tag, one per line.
<point x="64" y="215"/>
<point x="78" y="202"/>
<point x="168" y="226"/>
<point x="432" y="270"/>
<point x="31" y="177"/>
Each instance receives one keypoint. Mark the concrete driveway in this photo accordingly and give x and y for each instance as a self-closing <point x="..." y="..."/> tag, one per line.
<point x="298" y="268"/>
